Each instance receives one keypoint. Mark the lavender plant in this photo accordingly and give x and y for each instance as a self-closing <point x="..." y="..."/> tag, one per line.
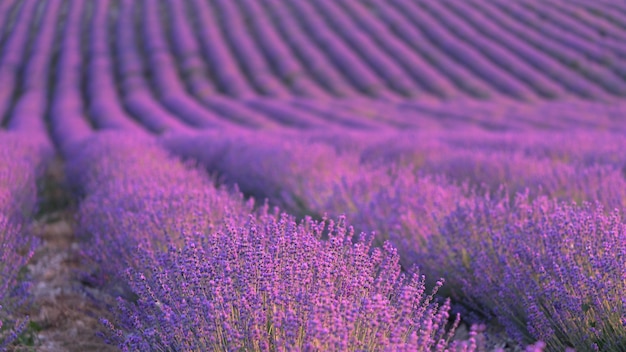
<point x="545" y="270"/>
<point x="22" y="159"/>
<point x="272" y="284"/>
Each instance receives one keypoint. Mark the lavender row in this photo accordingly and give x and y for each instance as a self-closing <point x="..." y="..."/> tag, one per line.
<point x="104" y="105"/>
<point x="23" y="158"/>
<point x="67" y="111"/>
<point x="31" y="105"/>
<point x="13" y="54"/>
<point x="199" y="258"/>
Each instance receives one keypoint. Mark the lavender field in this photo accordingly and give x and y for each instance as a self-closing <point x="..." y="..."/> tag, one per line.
<point x="319" y="175"/>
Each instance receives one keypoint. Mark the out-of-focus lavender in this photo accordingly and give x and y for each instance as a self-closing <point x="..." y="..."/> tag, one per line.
<point x="272" y="284"/>
<point x="293" y="174"/>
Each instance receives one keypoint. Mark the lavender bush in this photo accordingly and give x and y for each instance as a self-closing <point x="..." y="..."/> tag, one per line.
<point x="22" y="160"/>
<point x="545" y="270"/>
<point x="272" y="284"/>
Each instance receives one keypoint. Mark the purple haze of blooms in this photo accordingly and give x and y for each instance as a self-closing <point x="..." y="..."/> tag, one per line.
<point x="295" y="175"/>
<point x="545" y="270"/>
<point x="271" y="284"/>
<point x="22" y="159"/>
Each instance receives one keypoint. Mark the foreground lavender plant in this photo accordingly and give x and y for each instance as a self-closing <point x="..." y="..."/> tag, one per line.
<point x="546" y="270"/>
<point x="22" y="159"/>
<point x="272" y="284"/>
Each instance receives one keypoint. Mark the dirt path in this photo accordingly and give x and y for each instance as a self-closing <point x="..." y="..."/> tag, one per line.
<point x="64" y="314"/>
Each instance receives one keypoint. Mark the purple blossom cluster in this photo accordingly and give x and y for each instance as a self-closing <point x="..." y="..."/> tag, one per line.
<point x="271" y="284"/>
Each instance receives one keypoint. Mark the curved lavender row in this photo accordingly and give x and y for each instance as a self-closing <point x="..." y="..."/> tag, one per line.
<point x="288" y="172"/>
<point x="320" y="66"/>
<point x="13" y="54"/>
<point x="165" y="78"/>
<point x="185" y="46"/>
<point x="545" y="270"/>
<point x="498" y="28"/>
<point x="239" y="112"/>
<point x="395" y="76"/>
<point x="464" y="78"/>
<point x="463" y="52"/>
<point x="31" y="106"/>
<point x="104" y="107"/>
<point x="22" y="161"/>
<point x="288" y="116"/>
<point x="223" y="64"/>
<point x="68" y="121"/>
<point x="384" y="112"/>
<point x="338" y="117"/>
<point x="415" y="65"/>
<point x="419" y="216"/>
<point x="344" y="58"/>
<point x="279" y="55"/>
<point x="516" y="67"/>
<point x="138" y="98"/>
<point x="193" y="69"/>
<point x="552" y="45"/>
<point x="250" y="58"/>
